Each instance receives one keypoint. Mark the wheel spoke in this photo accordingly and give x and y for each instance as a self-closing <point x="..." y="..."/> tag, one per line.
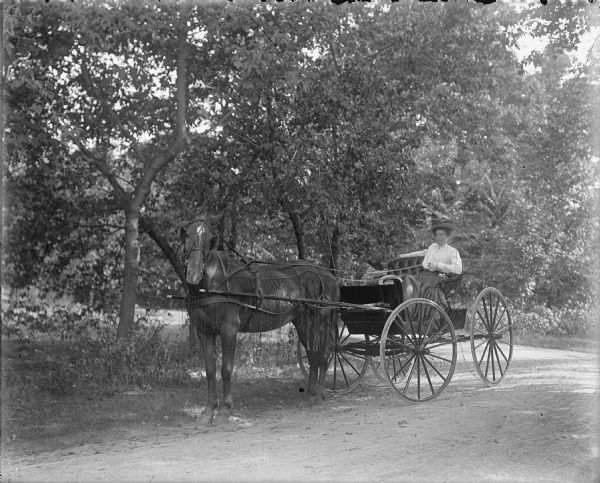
<point x="428" y="327"/>
<point x="423" y="314"/>
<point x="502" y="352"/>
<point x="434" y="368"/>
<point x="342" y="369"/>
<point x="420" y="322"/>
<point x="393" y="345"/>
<point x="428" y="378"/>
<point x="484" y="351"/>
<point x="495" y="311"/>
<point x="484" y="322"/>
<point x="349" y="363"/>
<point x="485" y="311"/>
<point x="412" y="336"/>
<point x="481" y="343"/>
<point x="342" y="341"/>
<point x="410" y="373"/>
<point x="498" y="360"/>
<point x="438" y="334"/>
<point x="443" y="343"/>
<point x="488" y="359"/>
<point x="403" y="331"/>
<point x="334" y="369"/>
<point x="418" y="378"/>
<point x="492" y="357"/>
<point x="440" y="357"/>
<point x="500" y="330"/>
<point x="497" y="322"/>
<point x="402" y="367"/>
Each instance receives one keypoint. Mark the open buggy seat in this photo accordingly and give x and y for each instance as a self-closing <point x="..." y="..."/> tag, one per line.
<point x="411" y="264"/>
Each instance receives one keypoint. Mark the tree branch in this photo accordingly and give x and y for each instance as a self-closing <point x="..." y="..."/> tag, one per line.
<point x="147" y="226"/>
<point x="162" y="158"/>
<point x="102" y="166"/>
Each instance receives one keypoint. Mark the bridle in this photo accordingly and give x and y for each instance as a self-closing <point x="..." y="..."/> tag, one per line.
<point x="216" y="234"/>
<point x="196" y="246"/>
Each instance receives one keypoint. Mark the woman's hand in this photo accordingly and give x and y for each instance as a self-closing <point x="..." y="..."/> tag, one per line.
<point x="432" y="267"/>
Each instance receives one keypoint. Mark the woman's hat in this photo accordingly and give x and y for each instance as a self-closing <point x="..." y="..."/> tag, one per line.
<point x="442" y="222"/>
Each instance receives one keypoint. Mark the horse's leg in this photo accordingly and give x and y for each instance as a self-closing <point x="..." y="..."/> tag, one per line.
<point x="327" y="333"/>
<point x="305" y="336"/>
<point x="229" y="332"/>
<point x="209" y="342"/>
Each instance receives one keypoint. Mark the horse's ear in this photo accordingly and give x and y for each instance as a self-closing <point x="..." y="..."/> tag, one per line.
<point x="182" y="232"/>
<point x="217" y="219"/>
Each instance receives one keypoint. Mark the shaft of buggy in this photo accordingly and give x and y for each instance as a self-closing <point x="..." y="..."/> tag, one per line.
<point x="329" y="303"/>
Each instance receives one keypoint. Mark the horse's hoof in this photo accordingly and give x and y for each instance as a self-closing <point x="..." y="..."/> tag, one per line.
<point x="222" y="417"/>
<point x="206" y="417"/>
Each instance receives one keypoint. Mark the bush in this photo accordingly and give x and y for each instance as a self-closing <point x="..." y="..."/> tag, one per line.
<point x="26" y="320"/>
<point x="71" y="348"/>
<point x="107" y="363"/>
<point x="266" y="351"/>
<point x="541" y="320"/>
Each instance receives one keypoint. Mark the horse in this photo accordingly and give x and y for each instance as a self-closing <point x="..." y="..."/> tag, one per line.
<point x="259" y="297"/>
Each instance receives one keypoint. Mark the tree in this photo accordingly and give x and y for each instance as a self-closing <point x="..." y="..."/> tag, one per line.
<point x="324" y="133"/>
<point x="102" y="107"/>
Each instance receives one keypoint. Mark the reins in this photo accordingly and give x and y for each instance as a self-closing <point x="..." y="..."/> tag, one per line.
<point x="248" y="264"/>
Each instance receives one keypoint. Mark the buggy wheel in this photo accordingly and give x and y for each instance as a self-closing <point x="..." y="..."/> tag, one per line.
<point x="375" y="362"/>
<point x="348" y="362"/>
<point x="418" y="350"/>
<point x="491" y="335"/>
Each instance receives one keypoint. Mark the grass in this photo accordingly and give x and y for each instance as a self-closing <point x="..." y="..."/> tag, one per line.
<point x="563" y="342"/>
<point x="35" y="418"/>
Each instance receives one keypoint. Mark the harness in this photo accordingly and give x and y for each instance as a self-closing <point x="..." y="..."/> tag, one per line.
<point x="253" y="268"/>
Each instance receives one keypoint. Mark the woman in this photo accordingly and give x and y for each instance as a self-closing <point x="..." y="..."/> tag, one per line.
<point x="440" y="256"/>
<point x="440" y="260"/>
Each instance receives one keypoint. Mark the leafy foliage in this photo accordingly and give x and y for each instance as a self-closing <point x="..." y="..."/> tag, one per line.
<point x="323" y="132"/>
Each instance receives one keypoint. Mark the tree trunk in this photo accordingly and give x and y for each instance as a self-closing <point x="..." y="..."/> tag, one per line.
<point x="142" y="188"/>
<point x="131" y="271"/>
<point x="335" y="248"/>
<point x="221" y="231"/>
<point x="233" y="235"/>
<point x="299" y="232"/>
<point x="2" y="177"/>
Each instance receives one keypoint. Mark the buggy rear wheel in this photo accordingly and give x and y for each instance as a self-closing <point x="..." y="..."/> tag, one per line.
<point x="348" y="362"/>
<point x="375" y="362"/>
<point x="418" y="350"/>
<point x="491" y="335"/>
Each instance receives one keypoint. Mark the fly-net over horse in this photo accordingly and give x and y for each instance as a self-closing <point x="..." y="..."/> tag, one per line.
<point x="208" y="269"/>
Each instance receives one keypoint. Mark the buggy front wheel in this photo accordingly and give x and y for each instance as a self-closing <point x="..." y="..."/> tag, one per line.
<point x="418" y="350"/>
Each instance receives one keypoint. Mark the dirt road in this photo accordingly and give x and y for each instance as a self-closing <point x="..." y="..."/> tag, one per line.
<point x="540" y="424"/>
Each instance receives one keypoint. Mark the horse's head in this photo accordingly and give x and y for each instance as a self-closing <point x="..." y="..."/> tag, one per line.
<point x="197" y="237"/>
